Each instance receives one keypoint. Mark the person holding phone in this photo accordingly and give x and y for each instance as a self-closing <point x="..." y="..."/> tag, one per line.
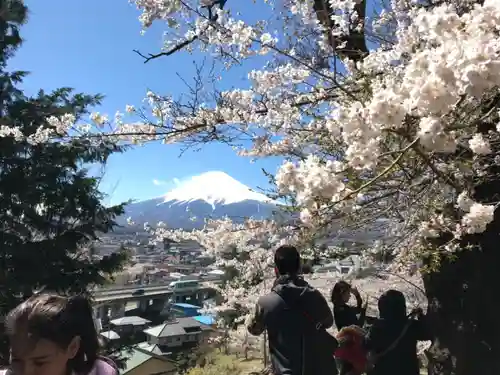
<point x="344" y="314"/>
<point x="392" y="339"/>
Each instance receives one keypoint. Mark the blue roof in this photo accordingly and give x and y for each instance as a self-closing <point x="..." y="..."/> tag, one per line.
<point x="186" y="306"/>
<point x="205" y="319"/>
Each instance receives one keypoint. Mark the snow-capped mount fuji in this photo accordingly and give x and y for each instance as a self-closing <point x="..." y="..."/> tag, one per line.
<point x="215" y="188"/>
<point x="209" y="195"/>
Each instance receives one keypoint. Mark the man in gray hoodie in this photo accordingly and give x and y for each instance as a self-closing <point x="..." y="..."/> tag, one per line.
<point x="295" y="316"/>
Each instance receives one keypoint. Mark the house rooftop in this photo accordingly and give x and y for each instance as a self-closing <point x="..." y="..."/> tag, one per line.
<point x="186" y="306"/>
<point x="110" y="335"/>
<point x="205" y="319"/>
<point x="135" y="358"/>
<point x="216" y="272"/>
<point x="178" y="327"/>
<point x="349" y="261"/>
<point x="151" y="348"/>
<point x="130" y="320"/>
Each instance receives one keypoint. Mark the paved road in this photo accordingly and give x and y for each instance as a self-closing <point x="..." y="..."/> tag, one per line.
<point x="128" y="295"/>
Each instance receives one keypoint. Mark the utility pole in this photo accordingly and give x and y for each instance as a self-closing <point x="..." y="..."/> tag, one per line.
<point x="264" y="344"/>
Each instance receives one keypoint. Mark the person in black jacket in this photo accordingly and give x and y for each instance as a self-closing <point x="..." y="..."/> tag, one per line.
<point x="346" y="315"/>
<point x="392" y="339"/>
<point x="295" y="316"/>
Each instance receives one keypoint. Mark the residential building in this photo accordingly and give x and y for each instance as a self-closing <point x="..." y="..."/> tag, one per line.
<point x="205" y="260"/>
<point x="185" y="269"/>
<point x="129" y="325"/>
<point x="343" y="267"/>
<point x="154" y="349"/>
<point x="140" y="362"/>
<point x="214" y="275"/>
<point x="157" y="275"/>
<point x="349" y="264"/>
<point x="109" y="335"/>
<point x="187" y="246"/>
<point x="177" y="333"/>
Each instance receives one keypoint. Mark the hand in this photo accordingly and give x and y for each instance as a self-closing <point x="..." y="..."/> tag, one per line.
<point x="354" y="291"/>
<point x="418" y="312"/>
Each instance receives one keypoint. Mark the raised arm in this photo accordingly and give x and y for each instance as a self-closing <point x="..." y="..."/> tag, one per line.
<point x="359" y="300"/>
<point x="362" y="316"/>
<point x="421" y="326"/>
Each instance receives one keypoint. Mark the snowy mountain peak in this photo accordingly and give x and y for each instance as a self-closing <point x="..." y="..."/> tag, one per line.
<point x="214" y="187"/>
<point x="210" y="195"/>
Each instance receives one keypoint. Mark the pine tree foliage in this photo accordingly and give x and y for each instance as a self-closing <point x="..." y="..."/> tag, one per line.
<point x="51" y="208"/>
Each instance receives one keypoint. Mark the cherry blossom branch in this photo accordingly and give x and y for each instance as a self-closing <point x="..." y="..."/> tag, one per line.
<point x="150" y="56"/>
<point x="385" y="171"/>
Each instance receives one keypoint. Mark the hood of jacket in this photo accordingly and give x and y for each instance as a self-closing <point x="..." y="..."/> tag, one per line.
<point x="291" y="288"/>
<point x="296" y="292"/>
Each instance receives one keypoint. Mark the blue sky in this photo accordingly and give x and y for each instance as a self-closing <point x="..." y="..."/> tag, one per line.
<point x="88" y="45"/>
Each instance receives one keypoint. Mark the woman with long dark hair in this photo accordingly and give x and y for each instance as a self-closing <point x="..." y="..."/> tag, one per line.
<point x="344" y="314"/>
<point x="55" y="335"/>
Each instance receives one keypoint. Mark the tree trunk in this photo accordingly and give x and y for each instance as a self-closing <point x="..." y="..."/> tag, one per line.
<point x="462" y="309"/>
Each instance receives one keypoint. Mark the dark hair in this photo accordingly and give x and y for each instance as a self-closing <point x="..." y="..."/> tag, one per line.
<point x="338" y="291"/>
<point x="287" y="260"/>
<point x="58" y="319"/>
<point x="392" y="305"/>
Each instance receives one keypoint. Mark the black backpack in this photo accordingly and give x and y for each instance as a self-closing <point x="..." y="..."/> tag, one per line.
<point x="324" y="343"/>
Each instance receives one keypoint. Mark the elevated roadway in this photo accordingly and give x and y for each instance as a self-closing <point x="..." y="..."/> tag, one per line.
<point x="138" y="292"/>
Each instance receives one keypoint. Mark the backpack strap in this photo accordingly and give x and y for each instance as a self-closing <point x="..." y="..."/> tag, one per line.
<point x="374" y="358"/>
<point x="317" y="325"/>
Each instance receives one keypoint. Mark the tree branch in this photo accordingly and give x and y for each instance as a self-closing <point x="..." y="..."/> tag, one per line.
<point x="178" y="47"/>
<point x="355" y="43"/>
<point x="211" y="17"/>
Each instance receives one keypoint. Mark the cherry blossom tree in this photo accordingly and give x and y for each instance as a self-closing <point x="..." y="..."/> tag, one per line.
<point x="391" y="116"/>
<point x="243" y="251"/>
<point x="385" y="117"/>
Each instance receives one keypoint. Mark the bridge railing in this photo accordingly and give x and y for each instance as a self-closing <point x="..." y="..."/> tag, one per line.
<point x="133" y="287"/>
<point x="149" y="288"/>
<point x="150" y="285"/>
